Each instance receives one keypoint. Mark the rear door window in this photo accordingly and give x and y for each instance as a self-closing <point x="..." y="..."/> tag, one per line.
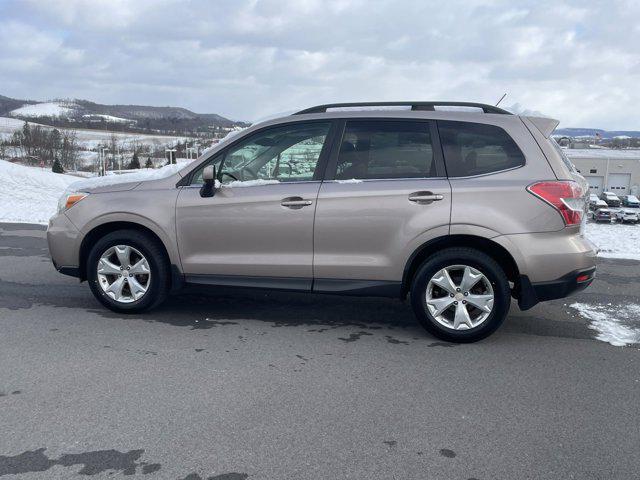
<point x="372" y="149"/>
<point x="477" y="149"/>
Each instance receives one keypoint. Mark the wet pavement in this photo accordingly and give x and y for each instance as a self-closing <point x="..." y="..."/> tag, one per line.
<point x="235" y="385"/>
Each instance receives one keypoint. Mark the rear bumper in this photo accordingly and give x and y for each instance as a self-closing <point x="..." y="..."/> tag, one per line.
<point x="529" y="294"/>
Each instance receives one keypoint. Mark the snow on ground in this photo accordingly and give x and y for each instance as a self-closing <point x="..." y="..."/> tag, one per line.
<point x="9" y="125"/>
<point x="615" y="240"/>
<point x="617" y="325"/>
<point x="46" y="109"/>
<point x="91" y="139"/>
<point x="30" y="194"/>
<point x="108" y="118"/>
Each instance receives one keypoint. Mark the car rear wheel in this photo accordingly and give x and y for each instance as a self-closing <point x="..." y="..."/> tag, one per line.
<point x="460" y="295"/>
<point x="128" y="271"/>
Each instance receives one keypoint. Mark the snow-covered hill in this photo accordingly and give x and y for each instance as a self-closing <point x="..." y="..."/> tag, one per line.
<point x="86" y="113"/>
<point x="46" y="109"/>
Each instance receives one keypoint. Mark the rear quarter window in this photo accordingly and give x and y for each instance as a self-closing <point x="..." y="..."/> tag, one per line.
<point x="477" y="149"/>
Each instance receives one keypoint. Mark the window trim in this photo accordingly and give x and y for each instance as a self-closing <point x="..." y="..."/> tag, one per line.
<point x="332" y="165"/>
<point x="488" y="173"/>
<point x="317" y="174"/>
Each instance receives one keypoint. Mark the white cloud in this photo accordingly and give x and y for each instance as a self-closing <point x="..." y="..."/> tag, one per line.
<point x="576" y="61"/>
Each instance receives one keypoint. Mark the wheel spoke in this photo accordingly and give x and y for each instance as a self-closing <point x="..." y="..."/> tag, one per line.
<point x="105" y="267"/>
<point x="123" y="252"/>
<point x="440" y="304"/>
<point x="140" y="268"/>
<point x="469" y="279"/>
<point x="482" y="302"/>
<point x="116" y="288"/>
<point x="462" y="317"/>
<point x="444" y="281"/>
<point x="137" y="289"/>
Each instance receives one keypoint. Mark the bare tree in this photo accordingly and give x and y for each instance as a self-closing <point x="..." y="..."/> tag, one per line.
<point x="69" y="150"/>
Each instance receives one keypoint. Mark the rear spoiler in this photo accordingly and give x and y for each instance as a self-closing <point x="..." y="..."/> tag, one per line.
<point x="545" y="125"/>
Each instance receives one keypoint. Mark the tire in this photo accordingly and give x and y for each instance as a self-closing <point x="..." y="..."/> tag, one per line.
<point x="492" y="281"/>
<point x="141" y="245"/>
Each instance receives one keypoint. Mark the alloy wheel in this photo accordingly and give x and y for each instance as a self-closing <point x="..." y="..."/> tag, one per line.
<point x="124" y="273"/>
<point x="459" y="297"/>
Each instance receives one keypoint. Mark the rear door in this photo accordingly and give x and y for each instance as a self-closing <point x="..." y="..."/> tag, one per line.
<point x="385" y="194"/>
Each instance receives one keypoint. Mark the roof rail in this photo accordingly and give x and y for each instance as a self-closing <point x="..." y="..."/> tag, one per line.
<point x="428" y="106"/>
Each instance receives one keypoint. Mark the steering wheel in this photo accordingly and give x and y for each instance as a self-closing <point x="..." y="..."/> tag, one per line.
<point x="252" y="175"/>
<point x="229" y="175"/>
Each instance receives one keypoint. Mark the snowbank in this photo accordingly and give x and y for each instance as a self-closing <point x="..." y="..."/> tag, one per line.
<point x="617" y="325"/>
<point x="615" y="241"/>
<point x="30" y="194"/>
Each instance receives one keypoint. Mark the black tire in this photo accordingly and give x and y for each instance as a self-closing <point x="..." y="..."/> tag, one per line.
<point x="153" y="251"/>
<point x="473" y="258"/>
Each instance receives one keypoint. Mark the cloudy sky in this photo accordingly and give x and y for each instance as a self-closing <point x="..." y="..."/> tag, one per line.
<point x="576" y="61"/>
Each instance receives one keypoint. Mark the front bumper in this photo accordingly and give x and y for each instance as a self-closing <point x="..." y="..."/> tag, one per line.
<point x="529" y="294"/>
<point x="63" y="239"/>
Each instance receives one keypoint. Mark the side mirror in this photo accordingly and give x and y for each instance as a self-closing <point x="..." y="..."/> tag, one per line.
<point x="209" y="178"/>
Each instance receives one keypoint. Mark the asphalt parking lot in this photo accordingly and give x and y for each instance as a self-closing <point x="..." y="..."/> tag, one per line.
<point x="253" y="385"/>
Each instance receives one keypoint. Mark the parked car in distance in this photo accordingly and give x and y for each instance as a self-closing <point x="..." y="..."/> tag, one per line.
<point x="597" y="203"/>
<point x="630" y="201"/>
<point x="602" y="215"/>
<point x="457" y="209"/>
<point x="611" y="199"/>
<point x="626" y="215"/>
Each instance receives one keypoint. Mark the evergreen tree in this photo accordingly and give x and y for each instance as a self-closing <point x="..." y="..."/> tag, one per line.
<point x="57" y="167"/>
<point x="148" y="163"/>
<point x="135" y="163"/>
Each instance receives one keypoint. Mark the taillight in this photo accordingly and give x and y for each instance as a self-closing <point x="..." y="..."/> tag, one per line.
<point x="565" y="196"/>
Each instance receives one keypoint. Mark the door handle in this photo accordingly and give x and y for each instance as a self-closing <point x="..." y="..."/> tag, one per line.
<point x="425" y="198"/>
<point x="295" y="202"/>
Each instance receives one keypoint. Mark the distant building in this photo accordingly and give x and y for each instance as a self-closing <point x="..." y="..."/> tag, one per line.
<point x="616" y="171"/>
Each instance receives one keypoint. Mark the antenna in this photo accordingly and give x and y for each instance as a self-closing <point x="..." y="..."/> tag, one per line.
<point x="501" y="98"/>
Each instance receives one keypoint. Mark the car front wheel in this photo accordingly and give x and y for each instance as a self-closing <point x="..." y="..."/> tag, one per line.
<point x="460" y="295"/>
<point x="128" y="271"/>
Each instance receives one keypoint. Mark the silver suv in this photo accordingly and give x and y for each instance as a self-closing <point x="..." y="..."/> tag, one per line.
<point x="458" y="206"/>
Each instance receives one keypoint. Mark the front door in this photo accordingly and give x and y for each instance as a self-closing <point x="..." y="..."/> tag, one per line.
<point x="257" y="230"/>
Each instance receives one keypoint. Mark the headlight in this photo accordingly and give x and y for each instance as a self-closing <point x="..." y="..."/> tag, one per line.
<point x="68" y="200"/>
